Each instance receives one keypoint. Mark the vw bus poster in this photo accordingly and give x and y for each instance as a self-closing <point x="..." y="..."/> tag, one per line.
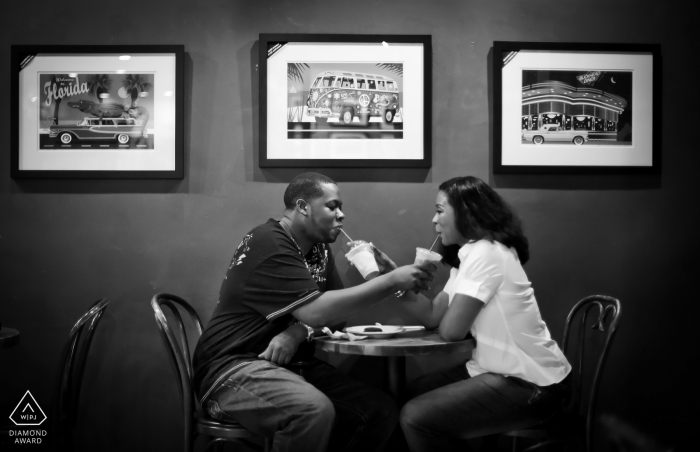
<point x="344" y="101"/>
<point x="328" y="100"/>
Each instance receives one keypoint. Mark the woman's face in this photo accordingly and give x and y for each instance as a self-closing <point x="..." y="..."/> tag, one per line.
<point x="444" y="221"/>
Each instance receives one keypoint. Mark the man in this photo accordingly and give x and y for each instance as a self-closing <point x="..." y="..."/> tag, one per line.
<point x="141" y="115"/>
<point x="254" y="362"/>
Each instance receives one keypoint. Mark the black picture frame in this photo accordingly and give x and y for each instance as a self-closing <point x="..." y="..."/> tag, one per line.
<point x="293" y="61"/>
<point x="138" y="90"/>
<point x="572" y="85"/>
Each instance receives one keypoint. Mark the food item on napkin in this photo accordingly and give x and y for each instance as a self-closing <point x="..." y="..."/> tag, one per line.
<point x="341" y="335"/>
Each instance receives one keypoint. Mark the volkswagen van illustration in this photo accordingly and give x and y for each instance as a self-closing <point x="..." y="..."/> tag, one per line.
<point x="345" y="95"/>
<point x="120" y="129"/>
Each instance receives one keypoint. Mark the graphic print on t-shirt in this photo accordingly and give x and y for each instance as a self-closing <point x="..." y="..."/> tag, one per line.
<point x="317" y="262"/>
<point x="240" y="252"/>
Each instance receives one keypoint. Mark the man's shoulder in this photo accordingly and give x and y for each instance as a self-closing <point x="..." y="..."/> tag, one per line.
<point x="265" y="240"/>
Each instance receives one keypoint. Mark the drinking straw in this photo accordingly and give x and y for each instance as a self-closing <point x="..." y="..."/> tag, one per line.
<point x="346" y="234"/>
<point x="431" y="246"/>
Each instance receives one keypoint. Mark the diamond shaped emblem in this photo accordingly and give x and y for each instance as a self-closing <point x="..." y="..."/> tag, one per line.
<point x="28" y="412"/>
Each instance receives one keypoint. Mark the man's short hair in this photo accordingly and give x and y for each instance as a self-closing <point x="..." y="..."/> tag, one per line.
<point x="306" y="186"/>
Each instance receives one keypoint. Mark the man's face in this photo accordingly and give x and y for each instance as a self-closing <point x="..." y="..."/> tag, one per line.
<point x="324" y="217"/>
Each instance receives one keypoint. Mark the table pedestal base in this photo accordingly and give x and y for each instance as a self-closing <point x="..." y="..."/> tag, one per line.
<point x="396" y="376"/>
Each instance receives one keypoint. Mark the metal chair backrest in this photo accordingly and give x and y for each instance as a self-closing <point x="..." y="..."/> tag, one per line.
<point x="71" y="372"/>
<point x="604" y="325"/>
<point x="179" y="352"/>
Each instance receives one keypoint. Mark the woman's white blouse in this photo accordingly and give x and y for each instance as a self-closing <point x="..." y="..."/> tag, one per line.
<point x="511" y="338"/>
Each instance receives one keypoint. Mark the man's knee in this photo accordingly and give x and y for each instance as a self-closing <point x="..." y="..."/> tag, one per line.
<point x="317" y="409"/>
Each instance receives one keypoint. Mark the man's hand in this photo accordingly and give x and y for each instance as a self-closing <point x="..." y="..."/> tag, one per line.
<point x="283" y="346"/>
<point x="384" y="263"/>
<point x="413" y="276"/>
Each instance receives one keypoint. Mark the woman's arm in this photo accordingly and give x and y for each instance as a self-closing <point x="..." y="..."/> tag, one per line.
<point x="428" y="312"/>
<point x="460" y="316"/>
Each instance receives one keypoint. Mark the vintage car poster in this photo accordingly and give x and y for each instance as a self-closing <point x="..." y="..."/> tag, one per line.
<point x="344" y="100"/>
<point x="96" y="111"/>
<point x="577" y="108"/>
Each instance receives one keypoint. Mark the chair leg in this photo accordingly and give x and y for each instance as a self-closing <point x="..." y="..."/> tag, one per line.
<point x="515" y="444"/>
<point x="538" y="446"/>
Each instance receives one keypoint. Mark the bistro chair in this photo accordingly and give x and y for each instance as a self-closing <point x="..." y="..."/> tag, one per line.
<point x="70" y="372"/>
<point x="196" y="421"/>
<point x="587" y="355"/>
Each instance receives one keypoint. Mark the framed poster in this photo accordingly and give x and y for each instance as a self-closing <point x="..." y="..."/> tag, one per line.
<point x="576" y="108"/>
<point x="345" y="100"/>
<point x="97" y="112"/>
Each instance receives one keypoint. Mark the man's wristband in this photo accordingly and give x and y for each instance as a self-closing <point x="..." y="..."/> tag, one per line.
<point x="309" y="331"/>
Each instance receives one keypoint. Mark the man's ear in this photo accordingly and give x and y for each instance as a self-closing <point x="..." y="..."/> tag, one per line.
<point x="301" y="206"/>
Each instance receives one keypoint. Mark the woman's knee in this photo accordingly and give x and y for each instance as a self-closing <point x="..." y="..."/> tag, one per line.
<point x="413" y="414"/>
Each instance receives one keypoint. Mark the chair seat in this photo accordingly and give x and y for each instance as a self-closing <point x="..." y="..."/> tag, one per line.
<point x="561" y="426"/>
<point x="209" y="426"/>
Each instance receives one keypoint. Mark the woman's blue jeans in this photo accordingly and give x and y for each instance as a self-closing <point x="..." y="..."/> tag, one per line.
<point x="305" y="408"/>
<point x="449" y="406"/>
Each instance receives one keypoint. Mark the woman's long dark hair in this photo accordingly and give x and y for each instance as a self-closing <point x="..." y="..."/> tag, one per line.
<point x="481" y="213"/>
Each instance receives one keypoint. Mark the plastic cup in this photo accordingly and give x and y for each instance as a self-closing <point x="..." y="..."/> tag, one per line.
<point x="423" y="255"/>
<point x="362" y="257"/>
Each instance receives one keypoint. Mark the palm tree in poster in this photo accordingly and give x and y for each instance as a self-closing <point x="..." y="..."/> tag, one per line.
<point x="295" y="71"/>
<point x="134" y="85"/>
<point x="295" y="101"/>
<point x="57" y="100"/>
<point x="99" y="84"/>
<point x="396" y="68"/>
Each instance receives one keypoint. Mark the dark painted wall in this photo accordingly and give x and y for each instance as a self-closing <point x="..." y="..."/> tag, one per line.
<point x="63" y="244"/>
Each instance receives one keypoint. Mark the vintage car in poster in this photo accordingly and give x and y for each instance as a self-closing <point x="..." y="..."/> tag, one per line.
<point x="119" y="129"/>
<point x="346" y="95"/>
<point x="555" y="133"/>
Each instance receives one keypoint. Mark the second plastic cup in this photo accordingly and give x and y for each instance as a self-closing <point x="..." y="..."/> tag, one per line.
<point x="362" y="257"/>
<point x="423" y="255"/>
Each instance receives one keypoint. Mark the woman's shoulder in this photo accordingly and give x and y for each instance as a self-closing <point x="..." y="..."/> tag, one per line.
<point x="487" y="250"/>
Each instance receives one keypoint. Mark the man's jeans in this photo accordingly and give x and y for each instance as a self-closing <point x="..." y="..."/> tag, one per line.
<point x="450" y="405"/>
<point x="305" y="408"/>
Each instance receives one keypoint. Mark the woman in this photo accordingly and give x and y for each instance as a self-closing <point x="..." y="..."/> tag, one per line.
<point x="514" y="378"/>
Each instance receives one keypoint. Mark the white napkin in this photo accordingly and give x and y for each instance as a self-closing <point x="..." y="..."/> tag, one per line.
<point x="341" y="335"/>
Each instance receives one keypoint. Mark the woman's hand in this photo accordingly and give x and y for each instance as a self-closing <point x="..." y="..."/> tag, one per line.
<point x="283" y="346"/>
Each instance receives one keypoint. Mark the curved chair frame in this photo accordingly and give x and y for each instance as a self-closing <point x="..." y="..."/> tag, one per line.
<point x="70" y="375"/>
<point x="607" y="307"/>
<point x="195" y="421"/>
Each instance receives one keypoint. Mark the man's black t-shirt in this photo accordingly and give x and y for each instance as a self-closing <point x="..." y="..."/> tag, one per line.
<point x="266" y="281"/>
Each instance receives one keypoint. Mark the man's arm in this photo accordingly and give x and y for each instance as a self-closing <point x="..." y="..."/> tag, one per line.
<point x="336" y="306"/>
<point x="282" y="347"/>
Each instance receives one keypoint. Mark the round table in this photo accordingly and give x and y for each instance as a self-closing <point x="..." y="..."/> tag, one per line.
<point x="396" y="349"/>
<point x="8" y="337"/>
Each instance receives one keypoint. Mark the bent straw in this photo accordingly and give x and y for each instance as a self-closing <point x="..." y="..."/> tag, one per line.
<point x="431" y="246"/>
<point x="346" y="234"/>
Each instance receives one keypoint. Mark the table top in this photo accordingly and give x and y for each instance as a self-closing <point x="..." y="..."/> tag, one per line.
<point x="412" y="343"/>
<point x="8" y="337"/>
